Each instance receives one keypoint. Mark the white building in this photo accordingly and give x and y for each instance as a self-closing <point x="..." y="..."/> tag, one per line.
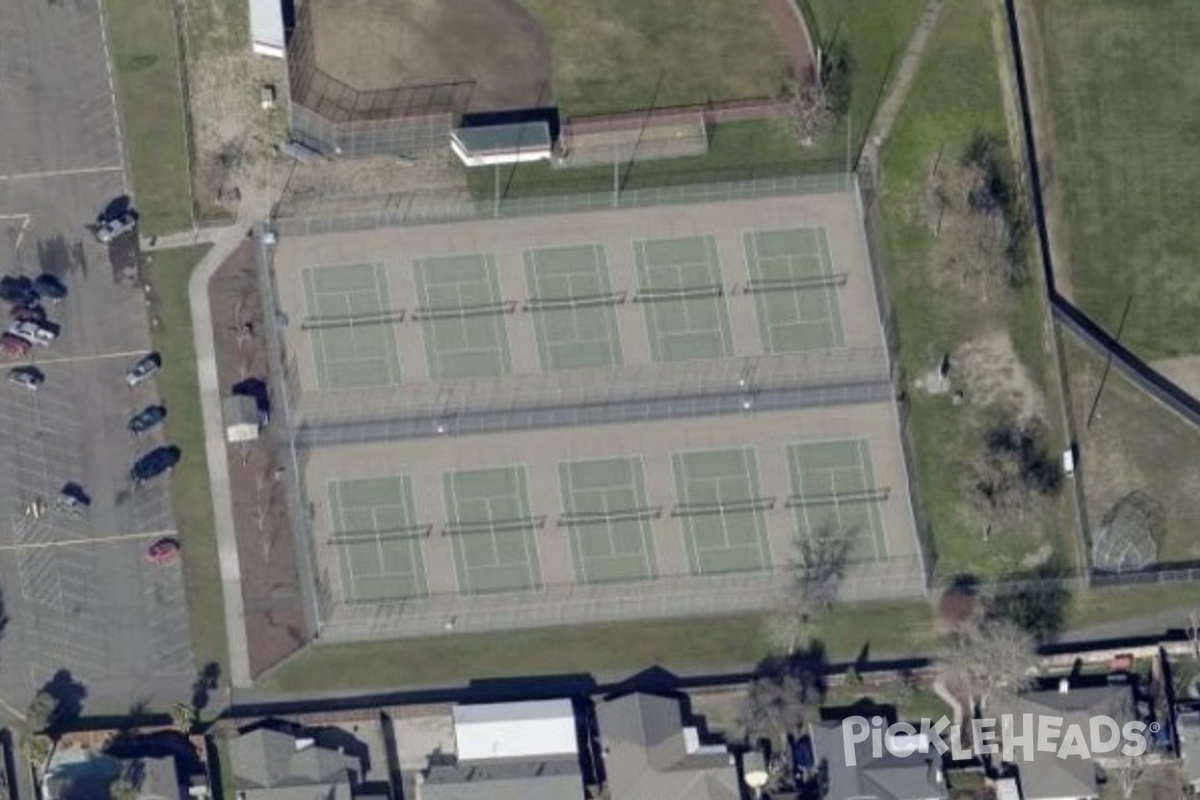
<point x="266" y="27"/>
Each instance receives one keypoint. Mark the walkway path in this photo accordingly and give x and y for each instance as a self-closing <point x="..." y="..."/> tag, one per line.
<point x="224" y="241"/>
<point x="902" y="83"/>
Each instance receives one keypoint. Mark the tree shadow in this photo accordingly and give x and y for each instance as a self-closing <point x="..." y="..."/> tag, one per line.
<point x="256" y="388"/>
<point x="1037" y="603"/>
<point x="68" y="694"/>
<point x="207" y="681"/>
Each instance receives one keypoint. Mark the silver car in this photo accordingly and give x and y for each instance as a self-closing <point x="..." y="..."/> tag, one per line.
<point x="145" y="369"/>
<point x="112" y="229"/>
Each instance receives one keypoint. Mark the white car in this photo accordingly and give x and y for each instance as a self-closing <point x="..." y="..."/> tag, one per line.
<point x="42" y="334"/>
<point x="145" y="369"/>
<point x="112" y="229"/>
<point x="26" y="377"/>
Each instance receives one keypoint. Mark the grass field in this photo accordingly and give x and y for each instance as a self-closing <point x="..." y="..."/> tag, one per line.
<point x="955" y="96"/>
<point x="190" y="498"/>
<point x="737" y="151"/>
<point x="621" y="55"/>
<point x="1135" y="444"/>
<point x="142" y="40"/>
<point x="1122" y="81"/>
<point x="734" y="642"/>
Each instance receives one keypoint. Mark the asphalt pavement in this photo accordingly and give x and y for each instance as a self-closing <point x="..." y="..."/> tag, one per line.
<point x="77" y="592"/>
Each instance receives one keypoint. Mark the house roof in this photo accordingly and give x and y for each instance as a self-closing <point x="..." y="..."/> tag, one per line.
<point x="558" y="779"/>
<point x="1044" y="774"/>
<point x="647" y="756"/>
<point x="890" y="777"/>
<point x="269" y="759"/>
<point x="534" y="729"/>
<point x="160" y="779"/>
<point x="1188" y="727"/>
<point x="482" y="139"/>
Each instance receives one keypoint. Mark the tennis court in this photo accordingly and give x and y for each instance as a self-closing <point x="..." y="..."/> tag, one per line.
<point x="350" y="326"/>
<point x="463" y="317"/>
<point x="378" y="539"/>
<point x="572" y="307"/>
<point x="833" y="485"/>
<point x="608" y="519"/>
<point x="722" y="509"/>
<point x="495" y="549"/>
<point x="795" y="289"/>
<point x="681" y="287"/>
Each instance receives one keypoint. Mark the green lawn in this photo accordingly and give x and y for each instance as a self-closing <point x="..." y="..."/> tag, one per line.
<point x="706" y="643"/>
<point x="217" y="27"/>
<point x="737" y="151"/>
<point x="1123" y="83"/>
<point x="876" y="33"/>
<point x="957" y="95"/>
<point x="621" y="55"/>
<point x="190" y="498"/>
<point x="142" y="39"/>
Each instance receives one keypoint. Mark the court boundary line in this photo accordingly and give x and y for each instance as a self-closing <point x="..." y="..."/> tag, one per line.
<point x="647" y="557"/>
<point x="762" y="535"/>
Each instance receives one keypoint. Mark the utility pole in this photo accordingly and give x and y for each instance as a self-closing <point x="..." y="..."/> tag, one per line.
<point x="1108" y="366"/>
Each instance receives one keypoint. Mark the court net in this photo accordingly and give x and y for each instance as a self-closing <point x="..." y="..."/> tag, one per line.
<point x="583" y="518"/>
<point x="587" y="301"/>
<point x="836" y="498"/>
<point x="383" y="535"/>
<point x="458" y="312"/>
<point x="687" y="293"/>
<point x="352" y="320"/>
<point x="793" y="284"/>
<point x="750" y="504"/>
<point x="495" y="526"/>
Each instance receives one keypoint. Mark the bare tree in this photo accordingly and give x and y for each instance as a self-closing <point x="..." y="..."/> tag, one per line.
<point x="1194" y="633"/>
<point x="813" y="590"/>
<point x="1127" y="772"/>
<point x="1016" y="471"/>
<point x="993" y="656"/>
<point x="184" y="718"/>
<point x="774" y="710"/>
<point x="36" y="749"/>
<point x="40" y="712"/>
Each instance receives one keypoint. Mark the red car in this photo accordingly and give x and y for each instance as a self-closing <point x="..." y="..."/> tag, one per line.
<point x="14" y="346"/>
<point x="28" y="314"/>
<point x="164" y="551"/>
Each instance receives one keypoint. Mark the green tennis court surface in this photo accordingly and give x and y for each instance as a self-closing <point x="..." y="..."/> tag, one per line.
<point x="833" y="487"/>
<point x="495" y="549"/>
<point x="572" y="307"/>
<point x="795" y="290"/>
<point x="681" y="287"/>
<point x="608" y="520"/>
<point x="377" y="538"/>
<point x="351" y="356"/>
<point x="463" y="317"/>
<point x="722" y="511"/>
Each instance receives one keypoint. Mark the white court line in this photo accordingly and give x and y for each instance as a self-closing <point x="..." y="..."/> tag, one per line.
<point x="61" y="173"/>
<point x="120" y="537"/>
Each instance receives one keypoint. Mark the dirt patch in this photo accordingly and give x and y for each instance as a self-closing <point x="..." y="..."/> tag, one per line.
<point x="384" y="44"/>
<point x="274" y="618"/>
<point x="1184" y="372"/>
<point x="992" y="374"/>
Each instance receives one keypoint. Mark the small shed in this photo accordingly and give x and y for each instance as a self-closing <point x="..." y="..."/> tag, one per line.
<point x="242" y="419"/>
<point x="512" y="143"/>
<point x="532" y="729"/>
<point x="266" y="28"/>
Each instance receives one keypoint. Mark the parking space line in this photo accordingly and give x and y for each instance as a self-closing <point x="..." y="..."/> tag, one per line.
<point x="93" y="357"/>
<point x="120" y="537"/>
<point x="61" y="173"/>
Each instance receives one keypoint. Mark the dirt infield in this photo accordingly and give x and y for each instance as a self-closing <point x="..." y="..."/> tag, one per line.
<point x="382" y="44"/>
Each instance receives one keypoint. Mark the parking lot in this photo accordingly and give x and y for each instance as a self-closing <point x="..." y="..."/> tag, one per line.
<point x="77" y="591"/>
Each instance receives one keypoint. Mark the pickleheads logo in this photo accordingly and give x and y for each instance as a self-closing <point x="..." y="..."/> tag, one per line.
<point x="1013" y="737"/>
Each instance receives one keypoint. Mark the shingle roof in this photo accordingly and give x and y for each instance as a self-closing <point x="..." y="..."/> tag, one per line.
<point x="504" y="138"/>
<point x="646" y="758"/>
<point x="890" y="777"/>
<point x="558" y="779"/>
<point x="268" y="759"/>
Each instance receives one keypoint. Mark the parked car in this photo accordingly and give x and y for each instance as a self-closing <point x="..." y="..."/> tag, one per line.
<point x="145" y="369"/>
<point x="33" y="313"/>
<point x="26" y="377"/>
<point x="13" y="346"/>
<point x="42" y="334"/>
<point x="164" y="551"/>
<point x="114" y="228"/>
<point x="147" y="419"/>
<point x="17" y="289"/>
<point x="50" y="287"/>
<point x="155" y="463"/>
<point x="72" y="499"/>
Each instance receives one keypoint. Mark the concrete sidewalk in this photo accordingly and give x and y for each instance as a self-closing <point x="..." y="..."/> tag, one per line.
<point x="224" y="241"/>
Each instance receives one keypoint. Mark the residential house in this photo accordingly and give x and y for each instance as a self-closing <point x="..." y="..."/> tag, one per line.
<point x="1044" y="775"/>
<point x="508" y="751"/>
<point x="649" y="754"/>
<point x="900" y="772"/>
<point x="1187" y="726"/>
<point x="275" y="762"/>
